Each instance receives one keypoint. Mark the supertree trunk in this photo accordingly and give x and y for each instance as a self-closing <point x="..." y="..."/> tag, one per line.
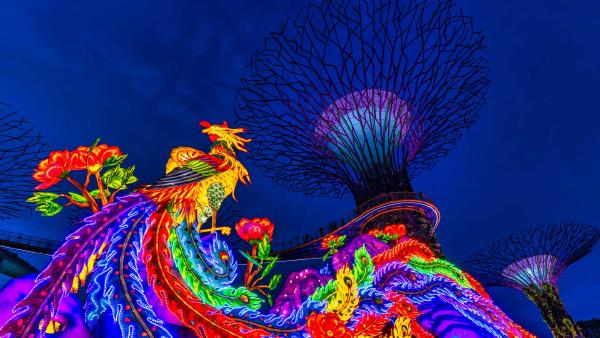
<point x="553" y="310"/>
<point x="377" y="183"/>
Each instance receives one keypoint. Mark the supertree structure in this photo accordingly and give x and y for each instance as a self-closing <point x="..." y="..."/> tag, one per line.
<point x="21" y="147"/>
<point x="532" y="261"/>
<point x="359" y="97"/>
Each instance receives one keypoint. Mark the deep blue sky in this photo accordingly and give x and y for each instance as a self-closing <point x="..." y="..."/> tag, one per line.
<point x="142" y="75"/>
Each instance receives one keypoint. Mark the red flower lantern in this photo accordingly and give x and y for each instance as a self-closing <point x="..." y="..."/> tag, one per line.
<point x="326" y="325"/>
<point x="83" y="158"/>
<point x="395" y="230"/>
<point x="79" y="158"/>
<point x="254" y="230"/>
<point x="51" y="170"/>
<point x="330" y="241"/>
<point x="60" y="164"/>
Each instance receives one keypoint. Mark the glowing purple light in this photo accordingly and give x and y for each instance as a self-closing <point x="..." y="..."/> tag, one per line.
<point x="375" y="121"/>
<point x="535" y="270"/>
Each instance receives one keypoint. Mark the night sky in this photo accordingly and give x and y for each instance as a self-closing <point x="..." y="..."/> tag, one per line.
<point x="142" y="75"/>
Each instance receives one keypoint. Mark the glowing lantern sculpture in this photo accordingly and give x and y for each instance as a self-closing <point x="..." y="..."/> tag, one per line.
<point x="532" y="261"/>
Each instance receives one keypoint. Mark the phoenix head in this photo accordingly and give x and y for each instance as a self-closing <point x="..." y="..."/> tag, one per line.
<point x="228" y="137"/>
<point x="225" y="141"/>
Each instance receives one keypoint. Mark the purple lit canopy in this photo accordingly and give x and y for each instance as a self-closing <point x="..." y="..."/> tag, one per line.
<point x="534" y="257"/>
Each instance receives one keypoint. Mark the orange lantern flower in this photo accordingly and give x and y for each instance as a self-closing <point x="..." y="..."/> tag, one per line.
<point x="395" y="230"/>
<point x="79" y="158"/>
<point x="82" y="158"/>
<point x="53" y="169"/>
<point x="331" y="241"/>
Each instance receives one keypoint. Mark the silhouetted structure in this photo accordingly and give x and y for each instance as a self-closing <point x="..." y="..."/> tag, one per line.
<point x="25" y="242"/>
<point x="590" y="327"/>
<point x="21" y="148"/>
<point x="532" y="261"/>
<point x="359" y="97"/>
<point x="14" y="266"/>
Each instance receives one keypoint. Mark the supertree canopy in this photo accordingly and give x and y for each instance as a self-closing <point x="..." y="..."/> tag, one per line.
<point x="360" y="97"/>
<point x="532" y="261"/>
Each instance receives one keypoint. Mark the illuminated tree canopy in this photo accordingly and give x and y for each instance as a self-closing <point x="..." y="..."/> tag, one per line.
<point x="359" y="97"/>
<point x="534" y="257"/>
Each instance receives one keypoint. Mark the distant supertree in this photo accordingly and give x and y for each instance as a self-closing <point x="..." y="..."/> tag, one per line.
<point x="21" y="148"/>
<point x="532" y="261"/>
<point x="358" y="97"/>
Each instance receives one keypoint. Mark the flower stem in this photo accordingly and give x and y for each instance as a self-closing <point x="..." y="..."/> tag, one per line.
<point x="248" y="275"/>
<point x="93" y="204"/>
<point x="261" y="291"/>
<point x="256" y="282"/>
<point x="87" y="179"/>
<point x="73" y="202"/>
<point x="112" y="196"/>
<point x="101" y="188"/>
<point x="254" y="273"/>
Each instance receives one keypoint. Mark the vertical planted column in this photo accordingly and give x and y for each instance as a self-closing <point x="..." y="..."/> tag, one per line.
<point x="553" y="310"/>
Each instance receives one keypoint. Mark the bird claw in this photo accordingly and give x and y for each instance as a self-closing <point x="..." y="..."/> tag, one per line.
<point x="224" y="230"/>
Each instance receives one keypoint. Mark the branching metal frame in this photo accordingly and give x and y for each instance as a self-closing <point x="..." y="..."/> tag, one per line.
<point x="421" y="58"/>
<point x="21" y="148"/>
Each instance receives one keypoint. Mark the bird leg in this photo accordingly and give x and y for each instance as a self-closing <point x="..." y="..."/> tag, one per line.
<point x="213" y="221"/>
<point x="213" y="228"/>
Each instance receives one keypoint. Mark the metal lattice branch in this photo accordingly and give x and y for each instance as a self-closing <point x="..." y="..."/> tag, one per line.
<point x="359" y="97"/>
<point x="21" y="148"/>
<point x="534" y="257"/>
